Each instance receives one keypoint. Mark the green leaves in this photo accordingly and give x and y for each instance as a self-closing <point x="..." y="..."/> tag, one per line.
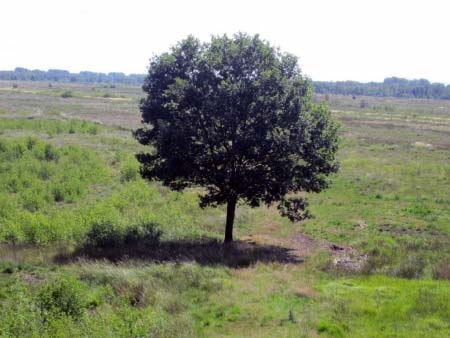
<point x="235" y="116"/>
<point x="294" y="209"/>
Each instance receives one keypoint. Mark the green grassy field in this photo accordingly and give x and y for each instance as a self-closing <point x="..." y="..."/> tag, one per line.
<point x="373" y="261"/>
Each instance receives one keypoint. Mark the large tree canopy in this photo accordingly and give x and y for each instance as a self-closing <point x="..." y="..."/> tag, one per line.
<point x="235" y="116"/>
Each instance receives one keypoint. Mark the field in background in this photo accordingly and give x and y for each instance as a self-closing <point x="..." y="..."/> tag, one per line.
<point x="374" y="261"/>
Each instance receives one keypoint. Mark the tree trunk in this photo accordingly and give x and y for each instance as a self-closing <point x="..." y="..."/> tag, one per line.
<point x="231" y="208"/>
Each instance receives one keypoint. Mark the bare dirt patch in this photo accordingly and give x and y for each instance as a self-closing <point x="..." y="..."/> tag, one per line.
<point x="344" y="258"/>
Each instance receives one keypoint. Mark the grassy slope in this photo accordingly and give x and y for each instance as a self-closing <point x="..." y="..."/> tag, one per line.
<point x="390" y="200"/>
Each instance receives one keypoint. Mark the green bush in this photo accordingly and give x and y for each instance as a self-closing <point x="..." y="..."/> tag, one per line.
<point x="145" y="234"/>
<point x="51" y="153"/>
<point x="104" y="235"/>
<point x="411" y="267"/>
<point x="62" y="295"/>
<point x="66" y="188"/>
<point x="330" y="328"/>
<point x="19" y="316"/>
<point x="109" y="235"/>
<point x="442" y="270"/>
<point x="93" y="130"/>
<point x="30" y="142"/>
<point x="58" y="193"/>
<point x="66" y="94"/>
<point x="33" y="200"/>
<point x="129" y="171"/>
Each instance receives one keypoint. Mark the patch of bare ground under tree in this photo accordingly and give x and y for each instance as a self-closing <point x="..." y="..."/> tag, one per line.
<point x="303" y="246"/>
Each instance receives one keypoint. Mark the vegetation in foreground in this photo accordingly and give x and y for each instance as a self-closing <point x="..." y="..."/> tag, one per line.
<point x="388" y="208"/>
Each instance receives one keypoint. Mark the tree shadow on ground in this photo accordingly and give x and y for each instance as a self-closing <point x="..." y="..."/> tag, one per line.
<point x="202" y="251"/>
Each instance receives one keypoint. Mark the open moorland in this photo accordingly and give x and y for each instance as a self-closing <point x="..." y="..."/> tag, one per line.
<point x="89" y="249"/>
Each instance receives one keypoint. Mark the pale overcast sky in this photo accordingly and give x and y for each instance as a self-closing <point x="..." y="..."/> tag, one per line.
<point x="334" y="39"/>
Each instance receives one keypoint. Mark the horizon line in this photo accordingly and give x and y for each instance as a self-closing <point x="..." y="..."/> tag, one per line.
<point x="144" y="74"/>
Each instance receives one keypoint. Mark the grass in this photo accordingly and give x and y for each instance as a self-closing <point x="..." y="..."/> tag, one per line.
<point x="51" y="127"/>
<point x="381" y="306"/>
<point x="36" y="178"/>
<point x="70" y="186"/>
<point x="189" y="300"/>
<point x="104" y="301"/>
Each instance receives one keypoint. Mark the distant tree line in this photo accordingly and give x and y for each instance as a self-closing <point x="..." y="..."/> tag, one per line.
<point x="392" y="86"/>
<point x="58" y="75"/>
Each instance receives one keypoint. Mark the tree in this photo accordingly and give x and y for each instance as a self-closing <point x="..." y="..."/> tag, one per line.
<point x="235" y="116"/>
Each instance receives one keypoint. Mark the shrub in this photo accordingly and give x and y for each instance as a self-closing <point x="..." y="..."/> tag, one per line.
<point x="380" y="254"/>
<point x="32" y="200"/>
<point x="92" y="130"/>
<point x="129" y="171"/>
<point x="67" y="94"/>
<point x="51" y="153"/>
<point x="442" y="270"/>
<point x="66" y="188"/>
<point x="58" y="194"/>
<point x="12" y="235"/>
<point x="18" y="313"/>
<point x="330" y="328"/>
<point x="17" y="151"/>
<point x="15" y="86"/>
<point x="62" y="295"/>
<point x="3" y="146"/>
<point x="410" y="268"/>
<point x="144" y="234"/>
<point x="104" y="235"/>
<point x="31" y="142"/>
